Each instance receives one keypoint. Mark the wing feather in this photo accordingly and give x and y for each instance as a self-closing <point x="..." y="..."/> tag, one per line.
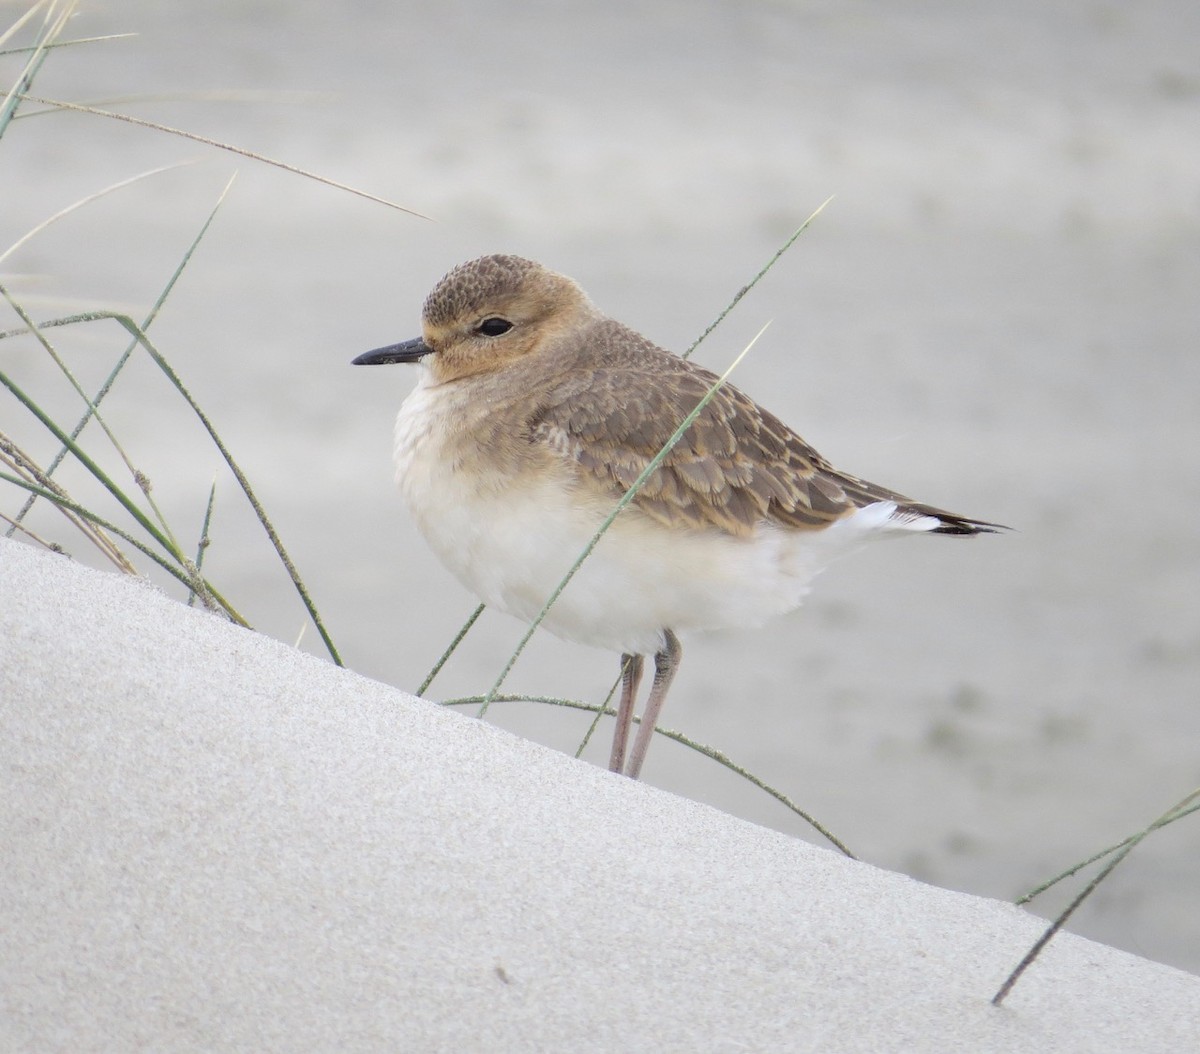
<point x="737" y="465"/>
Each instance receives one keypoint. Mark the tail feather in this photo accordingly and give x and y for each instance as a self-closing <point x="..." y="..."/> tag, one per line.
<point x="863" y="493"/>
<point x="961" y="525"/>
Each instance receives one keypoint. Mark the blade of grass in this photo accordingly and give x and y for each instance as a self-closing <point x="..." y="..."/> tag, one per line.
<point x="66" y="43"/>
<point x="33" y="232"/>
<point x="241" y="95"/>
<point x="155" y="126"/>
<point x="1074" y="869"/>
<point x="678" y="737"/>
<point x="737" y="297"/>
<point x="437" y="666"/>
<point x="620" y="506"/>
<point x="1171" y="814"/>
<point x="604" y="708"/>
<point x="203" y="543"/>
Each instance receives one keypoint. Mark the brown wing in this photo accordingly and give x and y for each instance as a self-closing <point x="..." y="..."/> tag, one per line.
<point x="736" y="466"/>
<point x="620" y="399"/>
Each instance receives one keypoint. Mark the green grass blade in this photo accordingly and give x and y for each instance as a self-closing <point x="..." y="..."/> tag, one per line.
<point x="203" y="543"/>
<point x="1167" y="818"/>
<point x="437" y="666"/>
<point x="604" y="708"/>
<point x="678" y="737"/>
<point x="758" y="277"/>
<point x="1180" y="808"/>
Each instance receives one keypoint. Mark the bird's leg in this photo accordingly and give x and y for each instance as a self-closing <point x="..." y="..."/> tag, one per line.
<point x="666" y="662"/>
<point x="631" y="677"/>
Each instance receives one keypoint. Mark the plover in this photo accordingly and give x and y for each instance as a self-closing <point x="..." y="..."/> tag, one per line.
<point x="534" y="413"/>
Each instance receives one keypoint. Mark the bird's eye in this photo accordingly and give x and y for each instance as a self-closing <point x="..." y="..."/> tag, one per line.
<point x="493" y="327"/>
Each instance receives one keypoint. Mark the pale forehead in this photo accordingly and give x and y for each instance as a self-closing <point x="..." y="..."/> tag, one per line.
<point x="489" y="281"/>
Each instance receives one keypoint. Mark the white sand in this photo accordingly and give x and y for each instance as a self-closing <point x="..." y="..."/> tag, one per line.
<point x="212" y="841"/>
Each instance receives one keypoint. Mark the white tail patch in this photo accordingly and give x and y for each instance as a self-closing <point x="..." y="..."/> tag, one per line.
<point x="888" y="516"/>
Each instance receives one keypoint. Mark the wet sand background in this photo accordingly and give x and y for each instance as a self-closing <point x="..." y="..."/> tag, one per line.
<point x="996" y="314"/>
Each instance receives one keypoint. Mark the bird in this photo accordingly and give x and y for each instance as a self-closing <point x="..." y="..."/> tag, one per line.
<point x="535" y="412"/>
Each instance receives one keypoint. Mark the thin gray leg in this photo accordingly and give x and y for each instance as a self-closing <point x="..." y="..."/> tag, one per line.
<point x="666" y="662"/>
<point x="631" y="677"/>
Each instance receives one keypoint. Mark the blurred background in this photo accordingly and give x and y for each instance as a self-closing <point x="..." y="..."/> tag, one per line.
<point x="998" y="314"/>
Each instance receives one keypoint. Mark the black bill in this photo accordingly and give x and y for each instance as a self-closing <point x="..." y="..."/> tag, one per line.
<point x="408" y="351"/>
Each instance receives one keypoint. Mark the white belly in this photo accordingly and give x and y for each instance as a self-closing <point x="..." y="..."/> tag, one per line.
<point x="511" y="537"/>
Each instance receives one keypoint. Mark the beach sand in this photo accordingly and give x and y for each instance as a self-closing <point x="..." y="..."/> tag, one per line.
<point x="214" y="842"/>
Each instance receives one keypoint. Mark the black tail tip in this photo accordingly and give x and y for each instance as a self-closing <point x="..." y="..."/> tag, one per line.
<point x="967" y="528"/>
